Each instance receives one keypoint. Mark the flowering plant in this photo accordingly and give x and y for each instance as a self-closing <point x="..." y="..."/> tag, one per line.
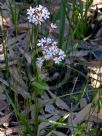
<point x="46" y="50"/>
<point x="47" y="46"/>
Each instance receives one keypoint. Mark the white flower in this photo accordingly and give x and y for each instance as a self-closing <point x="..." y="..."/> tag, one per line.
<point x="53" y="50"/>
<point x="41" y="42"/>
<point x="30" y="19"/>
<point x="50" y="51"/>
<point x="39" y="62"/>
<point x="47" y="57"/>
<point x="57" y="60"/>
<point x="44" y="41"/>
<point x="38" y="14"/>
<point x="54" y="43"/>
<point x="61" y="52"/>
<point x="45" y="13"/>
<point x="48" y="40"/>
<point x="30" y="11"/>
<point x="53" y="26"/>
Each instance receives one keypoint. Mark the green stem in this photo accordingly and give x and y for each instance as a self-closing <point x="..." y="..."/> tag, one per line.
<point x="36" y="90"/>
<point x="36" y="38"/>
<point x="36" y="123"/>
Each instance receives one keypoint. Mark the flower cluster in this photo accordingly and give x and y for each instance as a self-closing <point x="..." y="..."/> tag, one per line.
<point x="38" y="14"/>
<point x="50" y="51"/>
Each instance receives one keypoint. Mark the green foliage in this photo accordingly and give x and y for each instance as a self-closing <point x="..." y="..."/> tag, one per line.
<point x="62" y="23"/>
<point x="14" y="13"/>
<point x="40" y="84"/>
<point x="79" y="18"/>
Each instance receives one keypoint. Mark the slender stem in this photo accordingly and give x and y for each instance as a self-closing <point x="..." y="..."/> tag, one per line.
<point x="36" y="90"/>
<point x="36" y="38"/>
<point x="36" y="114"/>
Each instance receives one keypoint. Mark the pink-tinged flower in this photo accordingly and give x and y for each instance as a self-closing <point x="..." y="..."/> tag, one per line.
<point x="38" y="14"/>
